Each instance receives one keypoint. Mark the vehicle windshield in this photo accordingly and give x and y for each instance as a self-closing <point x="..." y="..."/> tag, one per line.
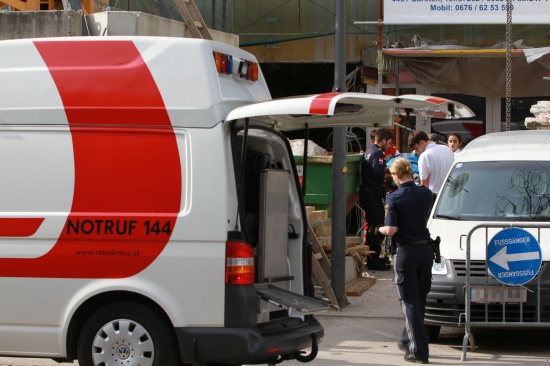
<point x="497" y="191"/>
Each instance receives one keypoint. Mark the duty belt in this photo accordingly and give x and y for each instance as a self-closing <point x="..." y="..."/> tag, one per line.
<point x="418" y="242"/>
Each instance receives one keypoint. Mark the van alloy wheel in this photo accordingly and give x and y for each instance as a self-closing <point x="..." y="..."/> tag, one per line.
<point x="129" y="334"/>
<point x="123" y="342"/>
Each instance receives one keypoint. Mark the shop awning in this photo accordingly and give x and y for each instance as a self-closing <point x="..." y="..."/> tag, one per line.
<point x="479" y="72"/>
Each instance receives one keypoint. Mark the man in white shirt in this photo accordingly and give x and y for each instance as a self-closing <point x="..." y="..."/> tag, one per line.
<point x="434" y="162"/>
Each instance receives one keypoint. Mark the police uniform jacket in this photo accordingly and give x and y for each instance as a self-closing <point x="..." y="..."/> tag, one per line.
<point x="372" y="168"/>
<point x="408" y="209"/>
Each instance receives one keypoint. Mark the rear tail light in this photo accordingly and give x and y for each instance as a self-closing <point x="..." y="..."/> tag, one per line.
<point x="224" y="63"/>
<point x="239" y="267"/>
<point x="227" y="64"/>
<point x="252" y="71"/>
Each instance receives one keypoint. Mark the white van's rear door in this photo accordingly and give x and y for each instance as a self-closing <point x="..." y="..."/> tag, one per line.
<point x="346" y="109"/>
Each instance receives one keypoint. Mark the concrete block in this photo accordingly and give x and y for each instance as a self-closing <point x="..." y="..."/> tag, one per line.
<point x="325" y="242"/>
<point x="40" y="24"/>
<point x="317" y="215"/>
<point x="322" y="227"/>
<point x="354" y="240"/>
<point x="351" y="270"/>
<point x="228" y="38"/>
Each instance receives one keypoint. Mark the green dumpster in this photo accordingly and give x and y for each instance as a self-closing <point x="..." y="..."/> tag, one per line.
<point x="319" y="180"/>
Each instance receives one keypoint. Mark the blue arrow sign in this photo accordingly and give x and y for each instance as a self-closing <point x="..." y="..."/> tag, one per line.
<point x="514" y="256"/>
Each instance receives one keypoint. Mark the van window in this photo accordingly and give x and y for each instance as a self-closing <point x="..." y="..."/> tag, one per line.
<point x="497" y="191"/>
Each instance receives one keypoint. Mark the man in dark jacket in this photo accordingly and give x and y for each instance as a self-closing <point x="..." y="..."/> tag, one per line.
<point x="373" y="193"/>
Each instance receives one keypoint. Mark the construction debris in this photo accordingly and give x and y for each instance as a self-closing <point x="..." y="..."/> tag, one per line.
<point x="541" y="121"/>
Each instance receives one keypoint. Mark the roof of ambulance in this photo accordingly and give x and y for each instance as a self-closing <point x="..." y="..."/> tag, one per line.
<point x="510" y="145"/>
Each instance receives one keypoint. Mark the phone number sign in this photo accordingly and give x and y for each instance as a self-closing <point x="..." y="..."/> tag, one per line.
<point x="464" y="12"/>
<point x="514" y="256"/>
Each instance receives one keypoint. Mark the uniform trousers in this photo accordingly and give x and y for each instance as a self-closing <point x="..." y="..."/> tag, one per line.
<point x="413" y="279"/>
<point x="375" y="213"/>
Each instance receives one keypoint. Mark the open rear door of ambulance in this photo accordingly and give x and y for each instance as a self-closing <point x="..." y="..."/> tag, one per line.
<point x="274" y="274"/>
<point x="346" y="110"/>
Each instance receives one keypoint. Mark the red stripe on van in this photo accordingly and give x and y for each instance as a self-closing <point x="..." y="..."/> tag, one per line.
<point x="19" y="226"/>
<point x="128" y="178"/>
<point x="321" y="103"/>
<point x="436" y="100"/>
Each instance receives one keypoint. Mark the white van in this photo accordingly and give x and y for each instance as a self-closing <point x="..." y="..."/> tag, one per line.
<point x="499" y="180"/>
<point x="150" y="210"/>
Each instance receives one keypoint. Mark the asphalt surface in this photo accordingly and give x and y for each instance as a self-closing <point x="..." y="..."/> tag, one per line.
<point x="365" y="332"/>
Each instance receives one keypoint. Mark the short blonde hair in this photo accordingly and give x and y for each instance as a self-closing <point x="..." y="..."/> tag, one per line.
<point x="402" y="168"/>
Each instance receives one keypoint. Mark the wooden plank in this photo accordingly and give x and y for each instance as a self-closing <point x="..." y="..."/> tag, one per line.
<point x="191" y="16"/>
<point x="359" y="285"/>
<point x="21" y="5"/>
<point x="317" y="249"/>
<point x="326" y="244"/>
<point x="33" y="4"/>
<point x="323" y="266"/>
<point x="360" y="249"/>
<point x="87" y="6"/>
<point x="323" y="281"/>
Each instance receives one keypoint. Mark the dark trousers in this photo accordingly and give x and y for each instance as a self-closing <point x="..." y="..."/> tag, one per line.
<point x="375" y="213"/>
<point x="413" y="279"/>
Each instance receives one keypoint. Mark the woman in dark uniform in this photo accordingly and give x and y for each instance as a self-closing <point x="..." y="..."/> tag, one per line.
<point x="408" y="209"/>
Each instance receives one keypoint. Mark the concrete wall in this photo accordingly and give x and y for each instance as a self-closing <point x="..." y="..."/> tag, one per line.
<point x="39" y="24"/>
<point x="319" y="49"/>
<point x="132" y="23"/>
<point x="60" y="23"/>
<point x="135" y="23"/>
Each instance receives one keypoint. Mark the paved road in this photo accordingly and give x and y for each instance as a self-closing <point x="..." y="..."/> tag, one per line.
<point x="366" y="331"/>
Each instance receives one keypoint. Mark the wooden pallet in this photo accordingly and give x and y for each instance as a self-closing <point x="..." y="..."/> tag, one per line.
<point x="359" y="285"/>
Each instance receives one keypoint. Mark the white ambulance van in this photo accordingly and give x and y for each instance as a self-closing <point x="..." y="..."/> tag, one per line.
<point x="150" y="210"/>
<point x="499" y="181"/>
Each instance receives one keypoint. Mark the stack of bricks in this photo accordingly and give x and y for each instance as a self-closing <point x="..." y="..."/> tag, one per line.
<point x="322" y="227"/>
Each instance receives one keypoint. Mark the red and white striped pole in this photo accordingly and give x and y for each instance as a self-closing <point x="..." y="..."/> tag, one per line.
<point x="365" y="228"/>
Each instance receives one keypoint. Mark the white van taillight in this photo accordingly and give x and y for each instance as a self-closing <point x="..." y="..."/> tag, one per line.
<point x="227" y="64"/>
<point x="239" y="267"/>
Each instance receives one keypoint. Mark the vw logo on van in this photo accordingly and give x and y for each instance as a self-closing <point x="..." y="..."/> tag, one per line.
<point x="123" y="352"/>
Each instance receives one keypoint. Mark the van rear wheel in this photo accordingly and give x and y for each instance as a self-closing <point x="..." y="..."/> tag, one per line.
<point x="128" y="334"/>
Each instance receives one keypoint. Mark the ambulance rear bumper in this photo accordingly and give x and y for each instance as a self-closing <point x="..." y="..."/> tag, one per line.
<point x="248" y="345"/>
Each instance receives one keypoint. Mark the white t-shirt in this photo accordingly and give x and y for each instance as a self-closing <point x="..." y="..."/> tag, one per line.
<point x="434" y="164"/>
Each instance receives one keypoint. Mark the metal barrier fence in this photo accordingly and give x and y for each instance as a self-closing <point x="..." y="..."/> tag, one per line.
<point x="498" y="304"/>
